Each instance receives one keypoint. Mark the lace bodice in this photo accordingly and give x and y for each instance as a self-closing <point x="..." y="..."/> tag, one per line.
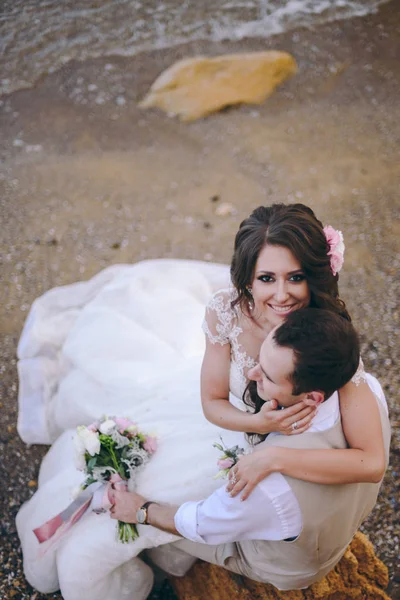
<point x="221" y="325"/>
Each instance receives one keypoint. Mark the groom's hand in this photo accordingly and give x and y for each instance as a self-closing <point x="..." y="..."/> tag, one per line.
<point x="126" y="505"/>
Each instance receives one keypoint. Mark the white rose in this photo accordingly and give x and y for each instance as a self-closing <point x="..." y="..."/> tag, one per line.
<point x="89" y="439"/>
<point x="92" y="442"/>
<point x="107" y="426"/>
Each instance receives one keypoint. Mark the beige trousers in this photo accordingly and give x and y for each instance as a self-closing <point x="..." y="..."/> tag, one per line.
<point x="177" y="558"/>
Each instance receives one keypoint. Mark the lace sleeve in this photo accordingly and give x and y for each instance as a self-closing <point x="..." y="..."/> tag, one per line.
<point x="360" y="375"/>
<point x="218" y="320"/>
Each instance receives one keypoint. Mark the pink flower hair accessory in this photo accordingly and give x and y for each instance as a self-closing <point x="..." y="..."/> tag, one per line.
<point x="337" y="247"/>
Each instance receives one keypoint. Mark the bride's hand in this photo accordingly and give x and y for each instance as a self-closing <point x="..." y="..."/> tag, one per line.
<point x="249" y="471"/>
<point x="289" y="421"/>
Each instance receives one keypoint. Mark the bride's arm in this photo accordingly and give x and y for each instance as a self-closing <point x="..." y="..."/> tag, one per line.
<point x="215" y="390"/>
<point x="364" y="461"/>
<point x="218" y="410"/>
<point x="218" y="325"/>
<point x="362" y="427"/>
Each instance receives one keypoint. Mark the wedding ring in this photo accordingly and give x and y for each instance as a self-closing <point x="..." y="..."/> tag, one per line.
<point x="233" y="478"/>
<point x="294" y="426"/>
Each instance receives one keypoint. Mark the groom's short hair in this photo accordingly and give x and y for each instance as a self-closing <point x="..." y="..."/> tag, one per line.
<point x="326" y="349"/>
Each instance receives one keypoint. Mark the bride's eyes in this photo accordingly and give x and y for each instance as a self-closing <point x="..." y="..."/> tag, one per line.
<point x="293" y="279"/>
<point x="297" y="278"/>
<point x="265" y="278"/>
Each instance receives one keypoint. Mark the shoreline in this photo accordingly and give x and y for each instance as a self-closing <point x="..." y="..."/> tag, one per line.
<point x="236" y="35"/>
<point x="88" y="180"/>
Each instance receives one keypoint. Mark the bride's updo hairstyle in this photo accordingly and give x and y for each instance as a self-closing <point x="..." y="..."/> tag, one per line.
<point x="295" y="227"/>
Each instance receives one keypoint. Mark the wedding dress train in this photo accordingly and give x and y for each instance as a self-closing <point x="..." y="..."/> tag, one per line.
<point x="126" y="343"/>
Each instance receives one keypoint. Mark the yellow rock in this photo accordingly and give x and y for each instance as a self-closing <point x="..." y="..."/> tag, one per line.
<point x="360" y="575"/>
<point x="195" y="87"/>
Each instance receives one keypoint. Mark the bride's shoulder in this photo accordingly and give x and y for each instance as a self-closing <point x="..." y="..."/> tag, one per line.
<point x="222" y="300"/>
<point x="360" y="375"/>
<point x="220" y="316"/>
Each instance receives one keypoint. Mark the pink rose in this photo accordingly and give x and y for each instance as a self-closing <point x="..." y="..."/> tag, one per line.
<point x="336" y="262"/>
<point x="123" y="423"/>
<point x="336" y="248"/>
<point x="332" y="235"/>
<point x="150" y="444"/>
<point x="225" y="463"/>
<point x="92" y="427"/>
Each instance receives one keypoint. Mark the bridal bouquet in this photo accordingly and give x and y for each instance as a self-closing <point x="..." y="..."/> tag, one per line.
<point x="229" y="458"/>
<point x="112" y="451"/>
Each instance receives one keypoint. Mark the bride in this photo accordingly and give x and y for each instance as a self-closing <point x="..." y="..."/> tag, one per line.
<point x="129" y="343"/>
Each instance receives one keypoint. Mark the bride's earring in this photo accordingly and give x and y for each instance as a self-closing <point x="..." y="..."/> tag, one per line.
<point x="250" y="302"/>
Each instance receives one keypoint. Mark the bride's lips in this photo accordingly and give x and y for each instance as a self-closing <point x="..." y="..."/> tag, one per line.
<point x="282" y="310"/>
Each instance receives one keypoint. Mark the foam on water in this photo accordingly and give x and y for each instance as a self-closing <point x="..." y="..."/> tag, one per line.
<point x="39" y="36"/>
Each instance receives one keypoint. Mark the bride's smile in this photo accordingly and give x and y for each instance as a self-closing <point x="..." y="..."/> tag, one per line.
<point x="279" y="285"/>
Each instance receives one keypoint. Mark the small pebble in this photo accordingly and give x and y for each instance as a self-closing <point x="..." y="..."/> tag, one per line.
<point x="225" y="209"/>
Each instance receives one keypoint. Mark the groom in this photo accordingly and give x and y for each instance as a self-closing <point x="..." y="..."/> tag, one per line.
<point x="288" y="532"/>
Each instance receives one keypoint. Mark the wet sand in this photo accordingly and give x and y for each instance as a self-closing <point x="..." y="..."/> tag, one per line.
<point x="88" y="179"/>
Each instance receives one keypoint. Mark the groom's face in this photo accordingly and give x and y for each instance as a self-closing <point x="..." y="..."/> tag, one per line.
<point x="272" y="374"/>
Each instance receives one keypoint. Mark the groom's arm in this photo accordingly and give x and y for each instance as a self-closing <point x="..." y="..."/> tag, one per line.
<point x="126" y="505"/>
<point x="270" y="513"/>
<point x="163" y="517"/>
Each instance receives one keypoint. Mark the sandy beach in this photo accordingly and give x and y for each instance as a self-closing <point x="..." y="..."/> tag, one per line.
<point x="88" y="179"/>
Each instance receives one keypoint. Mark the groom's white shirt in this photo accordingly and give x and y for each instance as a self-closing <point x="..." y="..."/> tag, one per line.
<point x="270" y="513"/>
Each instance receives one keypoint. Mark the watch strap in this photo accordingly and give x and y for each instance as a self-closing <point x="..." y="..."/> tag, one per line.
<point x="145" y="507"/>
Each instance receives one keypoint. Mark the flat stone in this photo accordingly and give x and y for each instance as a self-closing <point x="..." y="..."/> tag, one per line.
<point x="195" y="87"/>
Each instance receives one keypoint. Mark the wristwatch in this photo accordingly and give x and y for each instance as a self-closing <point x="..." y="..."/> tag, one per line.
<point x="141" y="514"/>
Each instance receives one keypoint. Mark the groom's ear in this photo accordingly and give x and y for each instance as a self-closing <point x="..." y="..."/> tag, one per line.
<point x="314" y="398"/>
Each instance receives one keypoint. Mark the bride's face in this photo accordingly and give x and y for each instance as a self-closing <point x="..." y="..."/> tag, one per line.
<point x="279" y="285"/>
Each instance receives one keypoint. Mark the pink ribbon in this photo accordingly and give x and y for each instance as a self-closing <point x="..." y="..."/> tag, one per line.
<point x="99" y="495"/>
<point x="103" y="498"/>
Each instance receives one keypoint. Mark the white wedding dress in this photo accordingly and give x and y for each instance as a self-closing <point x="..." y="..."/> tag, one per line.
<point x="126" y="343"/>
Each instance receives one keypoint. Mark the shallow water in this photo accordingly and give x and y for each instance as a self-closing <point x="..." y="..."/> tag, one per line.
<point x="38" y="36"/>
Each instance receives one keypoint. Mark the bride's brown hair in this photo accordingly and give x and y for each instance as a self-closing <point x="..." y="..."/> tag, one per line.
<point x="295" y="227"/>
